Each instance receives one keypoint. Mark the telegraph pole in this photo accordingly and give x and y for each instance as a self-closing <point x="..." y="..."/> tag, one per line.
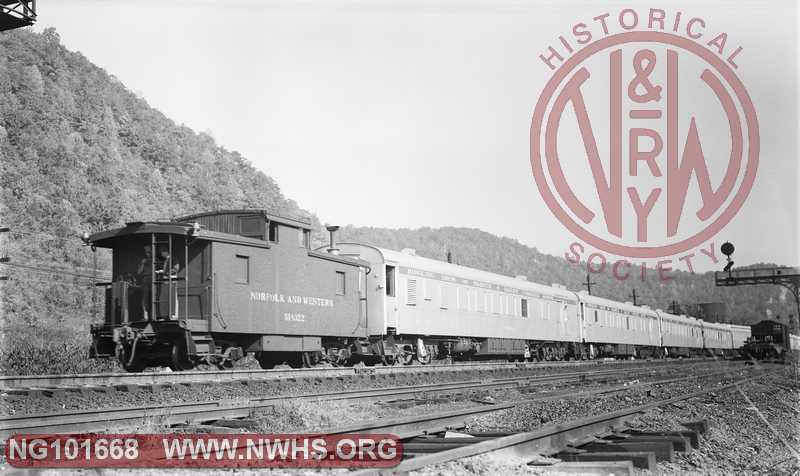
<point x="4" y="258"/>
<point x="588" y="284"/>
<point x="633" y="295"/>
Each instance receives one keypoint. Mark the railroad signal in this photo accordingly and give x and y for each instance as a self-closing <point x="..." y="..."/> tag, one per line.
<point x="727" y="249"/>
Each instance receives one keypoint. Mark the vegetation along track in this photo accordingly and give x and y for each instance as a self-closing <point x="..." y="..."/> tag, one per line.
<point x="212" y="411"/>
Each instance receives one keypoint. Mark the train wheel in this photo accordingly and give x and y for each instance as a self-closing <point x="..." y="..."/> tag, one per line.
<point x="179" y="360"/>
<point x="406" y="358"/>
<point x="311" y="359"/>
<point x="136" y="365"/>
<point x="294" y="360"/>
<point x="265" y="360"/>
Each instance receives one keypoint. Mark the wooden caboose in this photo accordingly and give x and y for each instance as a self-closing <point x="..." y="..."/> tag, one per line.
<point x="213" y="286"/>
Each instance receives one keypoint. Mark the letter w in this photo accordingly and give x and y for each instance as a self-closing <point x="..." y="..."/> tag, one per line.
<point x="692" y="160"/>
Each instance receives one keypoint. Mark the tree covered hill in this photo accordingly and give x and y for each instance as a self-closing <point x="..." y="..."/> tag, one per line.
<point x="79" y="153"/>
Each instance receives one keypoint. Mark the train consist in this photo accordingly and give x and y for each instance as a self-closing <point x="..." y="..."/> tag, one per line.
<point x="212" y="287"/>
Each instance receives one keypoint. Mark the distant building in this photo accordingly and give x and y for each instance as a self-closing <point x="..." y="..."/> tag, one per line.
<point x="713" y="311"/>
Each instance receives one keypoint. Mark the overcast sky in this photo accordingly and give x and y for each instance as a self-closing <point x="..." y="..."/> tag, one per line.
<point x="409" y="114"/>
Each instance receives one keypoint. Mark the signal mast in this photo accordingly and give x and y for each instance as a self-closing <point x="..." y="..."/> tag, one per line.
<point x="785" y="276"/>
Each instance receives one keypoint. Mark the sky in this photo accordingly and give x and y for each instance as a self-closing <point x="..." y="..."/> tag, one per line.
<point x="409" y="114"/>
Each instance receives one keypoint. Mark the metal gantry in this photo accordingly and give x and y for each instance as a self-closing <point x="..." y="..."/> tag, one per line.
<point x="17" y="14"/>
<point x="785" y="276"/>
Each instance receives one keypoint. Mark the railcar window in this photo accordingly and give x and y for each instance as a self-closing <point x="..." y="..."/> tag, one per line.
<point x="340" y="283"/>
<point x="411" y="294"/>
<point x="523" y="310"/>
<point x="445" y="301"/>
<point x="628" y="322"/>
<point x="390" y="291"/>
<point x="595" y="315"/>
<point x="242" y="269"/>
<point x="429" y="289"/>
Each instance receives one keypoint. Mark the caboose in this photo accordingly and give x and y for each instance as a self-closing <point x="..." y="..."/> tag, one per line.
<point x="210" y="288"/>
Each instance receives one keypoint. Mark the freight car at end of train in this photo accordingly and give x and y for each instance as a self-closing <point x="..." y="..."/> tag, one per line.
<point x="210" y="288"/>
<point x="769" y="340"/>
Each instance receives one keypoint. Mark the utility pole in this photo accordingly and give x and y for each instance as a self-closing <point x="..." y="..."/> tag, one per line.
<point x="4" y="258"/>
<point x="633" y="295"/>
<point x="588" y="284"/>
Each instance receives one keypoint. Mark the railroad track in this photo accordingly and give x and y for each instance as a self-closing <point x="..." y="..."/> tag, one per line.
<point x="224" y="412"/>
<point x="599" y="441"/>
<point x="47" y="384"/>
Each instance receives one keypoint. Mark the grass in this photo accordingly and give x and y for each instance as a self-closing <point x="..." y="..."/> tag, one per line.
<point x="34" y="350"/>
<point x="292" y="417"/>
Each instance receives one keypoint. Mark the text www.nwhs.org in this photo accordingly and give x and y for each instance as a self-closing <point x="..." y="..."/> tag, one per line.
<point x="208" y="450"/>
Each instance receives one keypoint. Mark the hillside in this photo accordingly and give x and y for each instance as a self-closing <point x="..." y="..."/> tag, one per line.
<point x="79" y="153"/>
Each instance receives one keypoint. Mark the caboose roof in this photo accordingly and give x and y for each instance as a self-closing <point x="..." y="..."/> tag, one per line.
<point x="106" y="239"/>
<point x="267" y="214"/>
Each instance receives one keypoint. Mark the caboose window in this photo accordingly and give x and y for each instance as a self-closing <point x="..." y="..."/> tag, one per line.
<point x="523" y="310"/>
<point x="304" y="238"/>
<point x="390" y="281"/>
<point x="242" y="269"/>
<point x="273" y="231"/>
<point x="340" y="283"/>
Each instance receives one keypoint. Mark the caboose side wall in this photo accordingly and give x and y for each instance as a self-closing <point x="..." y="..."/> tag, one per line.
<point x="283" y="291"/>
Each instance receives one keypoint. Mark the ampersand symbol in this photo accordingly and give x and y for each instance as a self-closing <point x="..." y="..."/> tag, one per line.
<point x="643" y="63"/>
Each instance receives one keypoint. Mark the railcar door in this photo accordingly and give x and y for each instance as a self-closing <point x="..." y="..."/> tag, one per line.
<point x="391" y="296"/>
<point x="582" y="324"/>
